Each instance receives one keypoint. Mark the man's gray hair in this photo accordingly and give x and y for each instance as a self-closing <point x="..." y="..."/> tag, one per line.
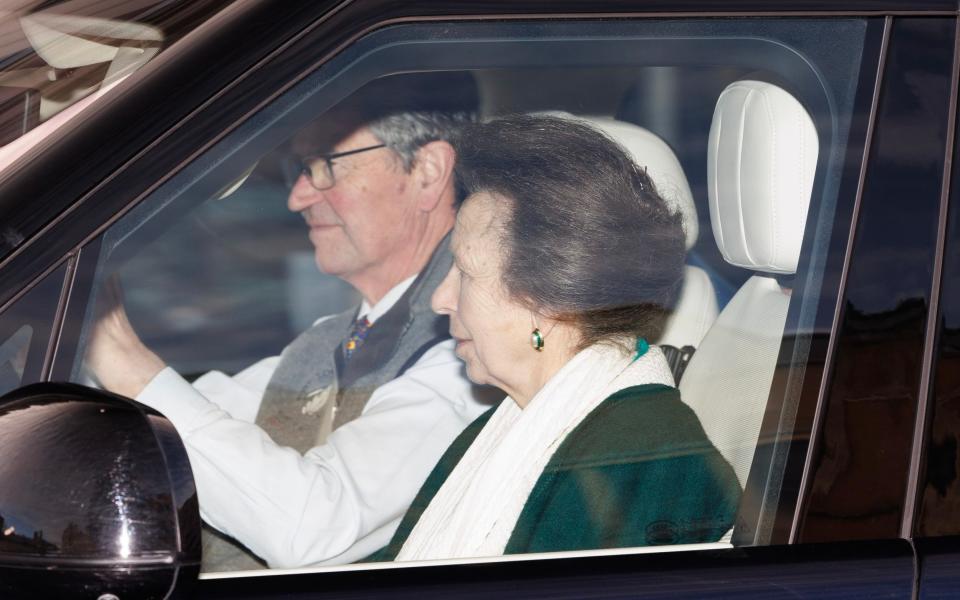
<point x="405" y="132"/>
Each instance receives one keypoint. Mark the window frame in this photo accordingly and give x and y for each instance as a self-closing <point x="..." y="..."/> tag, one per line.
<point x="45" y="299"/>
<point x="24" y="269"/>
<point x="205" y="165"/>
<point x="935" y="356"/>
<point x="882" y="164"/>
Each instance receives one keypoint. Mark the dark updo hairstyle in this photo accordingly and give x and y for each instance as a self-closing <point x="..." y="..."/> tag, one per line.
<point x="587" y="237"/>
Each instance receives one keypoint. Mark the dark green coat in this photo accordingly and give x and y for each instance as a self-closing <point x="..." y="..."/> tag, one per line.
<point x="637" y="471"/>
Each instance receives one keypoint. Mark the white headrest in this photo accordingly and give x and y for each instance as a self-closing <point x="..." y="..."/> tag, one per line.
<point x="650" y="151"/>
<point x="760" y="167"/>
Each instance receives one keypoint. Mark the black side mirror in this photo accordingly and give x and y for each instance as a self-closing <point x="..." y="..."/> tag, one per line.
<point x="97" y="498"/>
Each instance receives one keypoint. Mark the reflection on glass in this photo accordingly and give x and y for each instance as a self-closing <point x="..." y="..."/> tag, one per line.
<point x="54" y="55"/>
<point x="859" y="477"/>
<point x="13" y="358"/>
<point x="939" y="512"/>
<point x="81" y="479"/>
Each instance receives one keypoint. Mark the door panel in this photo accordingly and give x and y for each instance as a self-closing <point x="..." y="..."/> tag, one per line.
<point x="819" y="572"/>
<point x="937" y="518"/>
<point x="858" y="475"/>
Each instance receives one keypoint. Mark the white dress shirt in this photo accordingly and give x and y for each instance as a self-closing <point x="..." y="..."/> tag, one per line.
<point x="338" y="502"/>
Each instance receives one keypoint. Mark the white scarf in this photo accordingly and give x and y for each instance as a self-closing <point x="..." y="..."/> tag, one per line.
<point x="475" y="511"/>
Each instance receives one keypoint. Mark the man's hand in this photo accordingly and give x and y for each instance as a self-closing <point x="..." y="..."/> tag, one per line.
<point x="118" y="358"/>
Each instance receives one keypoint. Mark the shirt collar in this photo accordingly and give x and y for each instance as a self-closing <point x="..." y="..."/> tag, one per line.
<point x="386" y="303"/>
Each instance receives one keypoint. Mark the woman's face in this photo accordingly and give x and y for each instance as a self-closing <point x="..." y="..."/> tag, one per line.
<point x="491" y="330"/>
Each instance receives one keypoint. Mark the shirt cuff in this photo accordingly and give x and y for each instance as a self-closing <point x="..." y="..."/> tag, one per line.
<point x="174" y="398"/>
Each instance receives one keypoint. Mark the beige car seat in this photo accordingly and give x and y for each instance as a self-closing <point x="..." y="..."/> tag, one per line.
<point x="696" y="308"/>
<point x="761" y="163"/>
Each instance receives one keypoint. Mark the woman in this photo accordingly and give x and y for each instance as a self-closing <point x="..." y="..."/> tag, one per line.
<point x="565" y="261"/>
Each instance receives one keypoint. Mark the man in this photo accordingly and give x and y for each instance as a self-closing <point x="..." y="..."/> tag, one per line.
<point x="312" y="457"/>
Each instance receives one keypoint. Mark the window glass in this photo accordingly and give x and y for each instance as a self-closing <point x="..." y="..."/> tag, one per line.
<point x="249" y="258"/>
<point x="868" y="421"/>
<point x="296" y="280"/>
<point x="938" y="485"/>
<point x="13" y="358"/>
<point x="58" y="57"/>
<point x="25" y="333"/>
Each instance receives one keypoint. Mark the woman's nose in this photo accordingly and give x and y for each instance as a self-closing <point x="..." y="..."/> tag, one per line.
<point x="444" y="299"/>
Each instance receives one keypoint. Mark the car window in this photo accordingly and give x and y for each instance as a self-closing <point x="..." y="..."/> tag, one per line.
<point x="249" y="282"/>
<point x="13" y="358"/>
<point x="25" y="328"/>
<point x="58" y="57"/>
<point x="937" y="491"/>
<point x="869" y="427"/>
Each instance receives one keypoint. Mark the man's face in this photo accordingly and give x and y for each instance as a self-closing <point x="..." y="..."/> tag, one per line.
<point x="367" y="215"/>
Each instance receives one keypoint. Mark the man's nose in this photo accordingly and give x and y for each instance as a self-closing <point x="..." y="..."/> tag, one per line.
<point x="302" y="195"/>
<point x="444" y="299"/>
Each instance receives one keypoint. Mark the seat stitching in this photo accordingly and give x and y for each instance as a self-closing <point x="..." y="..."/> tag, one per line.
<point x="743" y="126"/>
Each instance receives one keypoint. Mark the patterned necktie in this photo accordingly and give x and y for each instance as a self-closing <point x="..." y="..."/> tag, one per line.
<point x="357" y="335"/>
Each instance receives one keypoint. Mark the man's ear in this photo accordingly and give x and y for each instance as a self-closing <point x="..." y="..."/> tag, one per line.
<point x="434" y="173"/>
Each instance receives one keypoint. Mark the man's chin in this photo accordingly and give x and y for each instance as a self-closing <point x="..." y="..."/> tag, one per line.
<point x="332" y="263"/>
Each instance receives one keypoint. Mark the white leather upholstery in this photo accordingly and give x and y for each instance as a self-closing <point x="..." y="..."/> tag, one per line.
<point x="728" y="379"/>
<point x="696" y="308"/>
<point x="761" y="160"/>
<point x="650" y="151"/>
<point x="694" y="313"/>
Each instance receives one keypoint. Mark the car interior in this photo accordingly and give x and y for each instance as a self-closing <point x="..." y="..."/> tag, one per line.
<point x="737" y="148"/>
<point x="57" y="58"/>
<point x="248" y="235"/>
<point x="777" y="137"/>
<point x="250" y="268"/>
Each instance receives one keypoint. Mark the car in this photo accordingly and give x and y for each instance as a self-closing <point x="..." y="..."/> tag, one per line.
<point x="808" y="145"/>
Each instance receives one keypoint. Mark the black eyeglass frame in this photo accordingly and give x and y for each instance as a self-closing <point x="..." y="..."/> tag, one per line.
<point x="303" y="165"/>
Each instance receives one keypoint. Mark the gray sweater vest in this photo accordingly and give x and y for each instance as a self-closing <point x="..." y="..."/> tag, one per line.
<point x="314" y="390"/>
<point x="313" y="382"/>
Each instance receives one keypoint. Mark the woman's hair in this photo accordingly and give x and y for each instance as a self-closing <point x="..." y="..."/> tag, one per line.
<point x="587" y="238"/>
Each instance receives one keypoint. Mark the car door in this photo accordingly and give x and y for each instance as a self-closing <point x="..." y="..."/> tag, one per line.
<point x="934" y="525"/>
<point x="826" y="499"/>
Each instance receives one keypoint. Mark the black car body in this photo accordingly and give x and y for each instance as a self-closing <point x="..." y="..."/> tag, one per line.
<point x="867" y="492"/>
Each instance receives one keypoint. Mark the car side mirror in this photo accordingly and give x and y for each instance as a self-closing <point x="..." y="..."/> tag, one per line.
<point x="97" y="498"/>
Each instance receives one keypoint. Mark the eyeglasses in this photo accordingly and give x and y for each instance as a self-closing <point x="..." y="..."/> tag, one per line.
<point x="319" y="168"/>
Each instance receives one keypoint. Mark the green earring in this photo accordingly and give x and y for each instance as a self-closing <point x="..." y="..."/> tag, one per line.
<point x="536" y="339"/>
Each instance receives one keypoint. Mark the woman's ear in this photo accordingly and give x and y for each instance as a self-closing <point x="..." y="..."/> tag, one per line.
<point x="433" y="168"/>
